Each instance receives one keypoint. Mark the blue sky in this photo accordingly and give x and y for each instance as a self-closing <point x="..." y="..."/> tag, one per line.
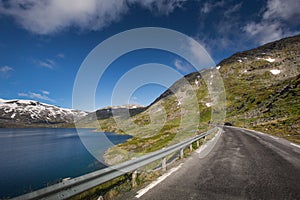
<point x="43" y="43"/>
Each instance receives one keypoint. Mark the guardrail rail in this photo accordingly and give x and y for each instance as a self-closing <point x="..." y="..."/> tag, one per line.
<point x="71" y="187"/>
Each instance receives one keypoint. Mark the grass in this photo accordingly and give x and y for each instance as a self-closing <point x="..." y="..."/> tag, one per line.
<point x="115" y="187"/>
<point x="255" y="98"/>
<point x="145" y="175"/>
<point x="264" y="102"/>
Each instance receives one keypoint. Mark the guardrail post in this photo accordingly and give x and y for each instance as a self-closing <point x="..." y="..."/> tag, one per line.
<point x="198" y="144"/>
<point x="133" y="179"/>
<point x="164" y="164"/>
<point x="68" y="189"/>
<point x="191" y="147"/>
<point x="100" y="198"/>
<point x="181" y="154"/>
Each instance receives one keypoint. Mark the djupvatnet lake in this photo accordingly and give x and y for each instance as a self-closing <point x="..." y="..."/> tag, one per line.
<point x="34" y="158"/>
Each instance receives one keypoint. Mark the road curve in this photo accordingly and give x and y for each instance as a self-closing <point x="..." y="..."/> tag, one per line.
<point x="242" y="165"/>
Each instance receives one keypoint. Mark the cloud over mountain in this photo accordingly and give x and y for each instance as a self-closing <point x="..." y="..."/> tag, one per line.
<point x="46" y="17"/>
<point x="273" y="23"/>
<point x="38" y="96"/>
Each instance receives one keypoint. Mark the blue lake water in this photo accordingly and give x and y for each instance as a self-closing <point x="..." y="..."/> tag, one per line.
<point x="34" y="158"/>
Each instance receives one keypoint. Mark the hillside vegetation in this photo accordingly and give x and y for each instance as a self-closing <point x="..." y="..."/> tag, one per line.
<point x="262" y="93"/>
<point x="263" y="88"/>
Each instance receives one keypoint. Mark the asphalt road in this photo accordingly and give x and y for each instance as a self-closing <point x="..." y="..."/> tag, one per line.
<point x="241" y="165"/>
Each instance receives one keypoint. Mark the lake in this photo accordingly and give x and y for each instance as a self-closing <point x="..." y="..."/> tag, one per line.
<point x="34" y="158"/>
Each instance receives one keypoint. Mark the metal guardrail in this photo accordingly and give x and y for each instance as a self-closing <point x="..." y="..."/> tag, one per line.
<point x="69" y="188"/>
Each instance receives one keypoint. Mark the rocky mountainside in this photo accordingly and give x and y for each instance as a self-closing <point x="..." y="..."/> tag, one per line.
<point x="262" y="92"/>
<point x="28" y="113"/>
<point x="263" y="88"/>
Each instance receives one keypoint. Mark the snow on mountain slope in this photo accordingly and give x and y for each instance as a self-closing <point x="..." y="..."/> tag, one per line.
<point x="28" y="113"/>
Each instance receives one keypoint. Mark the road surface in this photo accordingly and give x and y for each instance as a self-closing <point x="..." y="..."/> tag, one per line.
<point x="242" y="165"/>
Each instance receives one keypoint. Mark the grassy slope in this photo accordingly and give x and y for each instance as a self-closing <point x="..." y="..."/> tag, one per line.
<point x="255" y="98"/>
<point x="160" y="124"/>
<point x="260" y="100"/>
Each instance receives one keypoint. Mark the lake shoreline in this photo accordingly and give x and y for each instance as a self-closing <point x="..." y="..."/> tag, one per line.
<point x="38" y="157"/>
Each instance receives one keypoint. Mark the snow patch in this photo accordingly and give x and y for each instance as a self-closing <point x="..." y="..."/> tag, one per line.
<point x="158" y="110"/>
<point x="13" y="115"/>
<point x="245" y="71"/>
<point x="240" y="61"/>
<point x="208" y="104"/>
<point x="269" y="59"/>
<point x="218" y="67"/>
<point x="275" y="71"/>
<point x="26" y="101"/>
<point x="36" y="110"/>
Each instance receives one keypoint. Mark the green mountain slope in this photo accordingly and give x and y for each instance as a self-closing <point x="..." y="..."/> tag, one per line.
<point x="262" y="92"/>
<point x="262" y="88"/>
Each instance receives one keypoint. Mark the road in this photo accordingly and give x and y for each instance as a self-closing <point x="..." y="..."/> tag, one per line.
<point x="242" y="165"/>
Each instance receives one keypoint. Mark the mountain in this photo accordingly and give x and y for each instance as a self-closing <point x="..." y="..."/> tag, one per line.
<point x="28" y="113"/>
<point x="262" y="87"/>
<point x="107" y="113"/>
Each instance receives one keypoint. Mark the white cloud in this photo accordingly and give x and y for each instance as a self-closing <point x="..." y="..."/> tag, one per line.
<point x="181" y="66"/>
<point x="52" y="16"/>
<point x="61" y="55"/>
<point x="233" y="9"/>
<point x="272" y="25"/>
<point x="209" y="6"/>
<point x="164" y="7"/>
<point x="45" y="92"/>
<point x="48" y="63"/>
<point x="44" y="17"/>
<point x="4" y="71"/>
<point x="21" y="94"/>
<point x="265" y="32"/>
<point x="34" y="95"/>
<point x="288" y="10"/>
<point x="224" y="33"/>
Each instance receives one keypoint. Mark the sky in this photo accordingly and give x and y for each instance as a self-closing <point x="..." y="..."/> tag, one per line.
<point x="44" y="43"/>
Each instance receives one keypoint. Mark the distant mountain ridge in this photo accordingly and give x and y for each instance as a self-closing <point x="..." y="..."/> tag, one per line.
<point x="107" y="113"/>
<point x="17" y="113"/>
<point x="28" y="113"/>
